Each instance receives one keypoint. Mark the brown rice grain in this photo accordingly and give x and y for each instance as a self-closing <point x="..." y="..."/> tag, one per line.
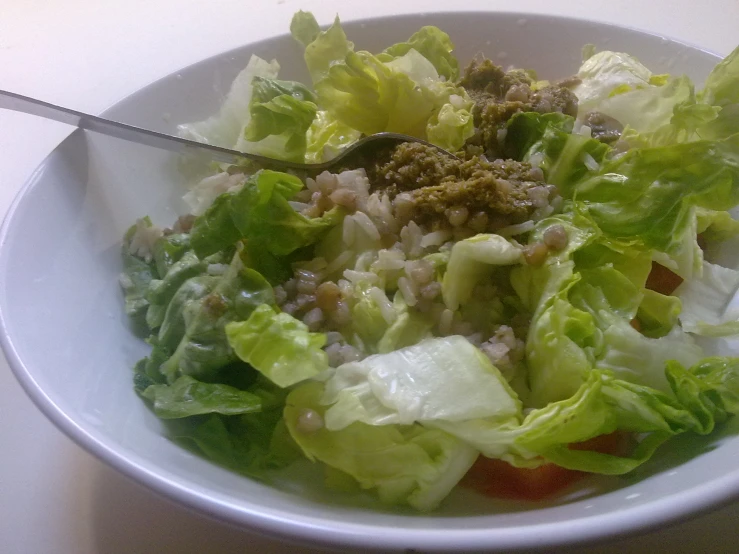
<point x="328" y="295"/>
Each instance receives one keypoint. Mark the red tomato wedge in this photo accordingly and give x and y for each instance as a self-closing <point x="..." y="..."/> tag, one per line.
<point x="500" y="479"/>
<point x="662" y="280"/>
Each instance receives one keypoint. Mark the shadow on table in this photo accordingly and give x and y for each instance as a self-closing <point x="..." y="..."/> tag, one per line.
<point x="131" y="519"/>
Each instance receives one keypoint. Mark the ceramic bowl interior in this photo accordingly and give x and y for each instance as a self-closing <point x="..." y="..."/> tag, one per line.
<point x="68" y="341"/>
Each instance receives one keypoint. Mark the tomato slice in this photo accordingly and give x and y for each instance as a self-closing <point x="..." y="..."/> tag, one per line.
<point x="662" y="280"/>
<point x="500" y="479"/>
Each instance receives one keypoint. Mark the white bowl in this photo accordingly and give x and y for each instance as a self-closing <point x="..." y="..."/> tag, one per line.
<point x="67" y="340"/>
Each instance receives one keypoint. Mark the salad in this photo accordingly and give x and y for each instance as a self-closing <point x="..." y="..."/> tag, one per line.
<point x="538" y="307"/>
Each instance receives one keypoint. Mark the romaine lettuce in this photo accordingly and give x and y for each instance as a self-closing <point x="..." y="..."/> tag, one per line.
<point x="188" y="397"/>
<point x="204" y="348"/>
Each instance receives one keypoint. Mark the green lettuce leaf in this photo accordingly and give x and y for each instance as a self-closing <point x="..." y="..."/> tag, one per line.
<point x="700" y="397"/>
<point x="690" y="121"/>
<point x="721" y="84"/>
<point x="278" y="346"/>
<point x="649" y="194"/>
<point x="583" y="300"/>
<point x="658" y="313"/>
<point x="146" y="371"/>
<point x="471" y="261"/>
<point x="716" y="225"/>
<point x="188" y="397"/>
<point x="647" y="109"/>
<point x="135" y="279"/>
<point x="173" y="324"/>
<point x="304" y="28"/>
<point x="451" y="126"/>
<point x="714" y="382"/>
<point x="525" y="129"/>
<point x="723" y="125"/>
<point x="560" y="341"/>
<point x="260" y="212"/>
<point x="434" y="45"/>
<point x="442" y="378"/>
<point x="225" y="128"/>
<point x="708" y="302"/>
<point x="672" y="113"/>
<point x="161" y="291"/>
<point x="404" y="464"/>
<point x="326" y="137"/>
<point x="252" y="444"/>
<point x="546" y="141"/>
<point x="214" y="230"/>
<point x="605" y="73"/>
<point x="326" y="47"/>
<point x="368" y="323"/>
<point x="638" y="359"/>
<point x="168" y="250"/>
<point x="408" y="328"/>
<point x="369" y="96"/>
<point x="402" y="94"/>
<point x="204" y="348"/>
<point x="281" y="114"/>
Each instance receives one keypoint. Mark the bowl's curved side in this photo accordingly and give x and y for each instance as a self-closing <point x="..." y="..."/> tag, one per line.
<point x="68" y="343"/>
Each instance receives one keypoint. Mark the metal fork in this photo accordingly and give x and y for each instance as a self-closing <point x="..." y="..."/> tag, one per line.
<point x="147" y="137"/>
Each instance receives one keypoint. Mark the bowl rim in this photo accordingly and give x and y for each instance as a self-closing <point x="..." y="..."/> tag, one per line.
<point x="318" y="531"/>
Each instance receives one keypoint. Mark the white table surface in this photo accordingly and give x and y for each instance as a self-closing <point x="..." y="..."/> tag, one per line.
<point x="86" y="54"/>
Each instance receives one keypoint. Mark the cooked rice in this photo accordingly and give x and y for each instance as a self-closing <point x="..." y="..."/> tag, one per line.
<point x="406" y="289"/>
<point x="217" y="269"/>
<point x="386" y="307"/>
<point x="412" y="240"/>
<point x="359" y="276"/>
<point x="518" y="229"/>
<point x="590" y="162"/>
<point x="202" y="195"/>
<point x="383" y="256"/>
<point x="313" y="319"/>
<point x="445" y="322"/>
